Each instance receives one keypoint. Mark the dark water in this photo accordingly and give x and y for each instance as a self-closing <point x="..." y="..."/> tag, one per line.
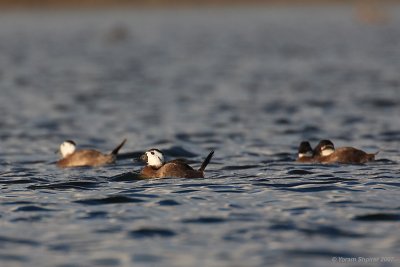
<point x="249" y="83"/>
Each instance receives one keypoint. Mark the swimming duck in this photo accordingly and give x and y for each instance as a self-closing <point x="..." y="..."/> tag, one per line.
<point x="305" y="153"/>
<point x="158" y="168"/>
<point x="85" y="157"/>
<point x="325" y="152"/>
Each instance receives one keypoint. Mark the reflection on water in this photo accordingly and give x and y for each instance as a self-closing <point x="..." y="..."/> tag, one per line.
<point x="250" y="84"/>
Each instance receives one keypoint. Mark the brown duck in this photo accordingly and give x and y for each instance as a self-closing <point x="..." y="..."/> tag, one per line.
<point x="325" y="152"/>
<point x="85" y="157"/>
<point x="158" y="168"/>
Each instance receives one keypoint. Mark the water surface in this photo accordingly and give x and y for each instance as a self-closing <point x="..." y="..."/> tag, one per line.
<point x="248" y="83"/>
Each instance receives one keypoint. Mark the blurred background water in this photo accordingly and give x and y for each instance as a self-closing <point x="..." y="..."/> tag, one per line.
<point x="250" y="83"/>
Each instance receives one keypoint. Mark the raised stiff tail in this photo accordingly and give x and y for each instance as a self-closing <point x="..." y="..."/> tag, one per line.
<point x="371" y="157"/>
<point x="206" y="161"/>
<point x="115" y="151"/>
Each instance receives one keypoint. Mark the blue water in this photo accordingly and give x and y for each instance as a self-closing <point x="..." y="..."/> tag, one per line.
<point x="250" y="84"/>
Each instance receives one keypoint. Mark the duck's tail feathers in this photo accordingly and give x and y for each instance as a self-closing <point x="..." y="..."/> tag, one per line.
<point x="374" y="154"/>
<point x="206" y="161"/>
<point x="371" y="157"/>
<point x="115" y="151"/>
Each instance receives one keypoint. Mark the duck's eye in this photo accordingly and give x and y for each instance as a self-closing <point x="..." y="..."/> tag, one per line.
<point x="152" y="152"/>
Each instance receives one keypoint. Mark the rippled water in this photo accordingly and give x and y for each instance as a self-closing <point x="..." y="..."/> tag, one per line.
<point x="250" y="84"/>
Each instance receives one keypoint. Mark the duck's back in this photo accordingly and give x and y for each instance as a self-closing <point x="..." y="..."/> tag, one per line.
<point x="86" y="157"/>
<point x="178" y="169"/>
<point x="348" y="155"/>
<point x="174" y="168"/>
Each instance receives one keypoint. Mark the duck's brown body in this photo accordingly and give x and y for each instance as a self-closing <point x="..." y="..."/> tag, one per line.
<point x="346" y="155"/>
<point x="171" y="169"/>
<point x="305" y="159"/>
<point x="86" y="158"/>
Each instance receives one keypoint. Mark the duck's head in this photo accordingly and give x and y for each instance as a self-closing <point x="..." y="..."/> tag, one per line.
<point x="305" y="150"/>
<point x="153" y="158"/>
<point x="67" y="148"/>
<point x="324" y="148"/>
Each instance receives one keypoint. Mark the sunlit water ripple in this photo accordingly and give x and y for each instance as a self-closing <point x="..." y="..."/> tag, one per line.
<point x="250" y="84"/>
